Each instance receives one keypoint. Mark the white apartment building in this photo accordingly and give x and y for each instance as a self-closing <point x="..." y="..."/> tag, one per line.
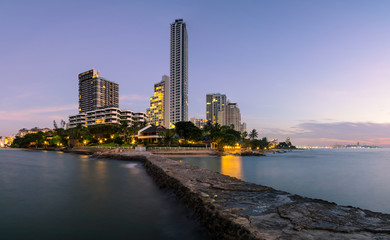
<point x="78" y="119"/>
<point x="108" y="115"/>
<point x="140" y="117"/>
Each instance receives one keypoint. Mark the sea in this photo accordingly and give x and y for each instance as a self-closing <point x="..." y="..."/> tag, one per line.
<point x="55" y="195"/>
<point x="350" y="177"/>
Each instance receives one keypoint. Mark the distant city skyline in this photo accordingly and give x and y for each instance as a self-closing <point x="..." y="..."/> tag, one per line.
<point x="316" y="72"/>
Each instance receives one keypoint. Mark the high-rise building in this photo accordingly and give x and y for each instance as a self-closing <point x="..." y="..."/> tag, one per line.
<point x="159" y="104"/>
<point x="215" y="102"/>
<point x="99" y="103"/>
<point x="178" y="106"/>
<point x="243" y="127"/>
<point x="96" y="92"/>
<point x="200" y="123"/>
<point x="230" y="116"/>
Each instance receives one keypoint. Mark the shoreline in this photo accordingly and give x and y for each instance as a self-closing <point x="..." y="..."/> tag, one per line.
<point x="230" y="208"/>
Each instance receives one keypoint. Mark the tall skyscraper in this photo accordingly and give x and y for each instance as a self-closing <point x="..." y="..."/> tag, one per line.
<point x="215" y="102"/>
<point x="96" y="92"/>
<point x="230" y="116"/>
<point x="99" y="103"/>
<point x="159" y="104"/>
<point x="178" y="106"/>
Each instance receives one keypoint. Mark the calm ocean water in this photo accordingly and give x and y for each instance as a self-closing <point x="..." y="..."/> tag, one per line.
<point x="355" y="177"/>
<point x="51" y="195"/>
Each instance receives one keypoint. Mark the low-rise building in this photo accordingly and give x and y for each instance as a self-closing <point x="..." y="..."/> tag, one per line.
<point x="77" y="119"/>
<point x="151" y="133"/>
<point x="273" y="143"/>
<point x="141" y="117"/>
<point x="6" y="141"/>
<point x="128" y="116"/>
<point x="22" y="132"/>
<point x="107" y="115"/>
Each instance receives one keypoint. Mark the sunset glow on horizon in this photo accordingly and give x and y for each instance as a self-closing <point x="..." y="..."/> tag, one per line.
<point x="317" y="72"/>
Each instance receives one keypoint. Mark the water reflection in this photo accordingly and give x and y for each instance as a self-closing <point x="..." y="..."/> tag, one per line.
<point x="85" y="199"/>
<point x="231" y="166"/>
<point x="133" y="168"/>
<point x="101" y="169"/>
<point x="348" y="177"/>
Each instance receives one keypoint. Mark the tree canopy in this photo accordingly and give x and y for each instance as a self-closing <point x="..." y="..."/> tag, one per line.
<point x="188" y="131"/>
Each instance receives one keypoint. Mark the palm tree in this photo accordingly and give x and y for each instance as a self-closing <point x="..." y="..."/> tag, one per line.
<point x="210" y="130"/>
<point x="125" y="130"/>
<point x="135" y="127"/>
<point x="75" y="134"/>
<point x="253" y="134"/>
<point x="244" y="135"/>
<point x="168" y="137"/>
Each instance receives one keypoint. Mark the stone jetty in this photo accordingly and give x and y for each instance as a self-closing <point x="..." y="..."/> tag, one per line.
<point x="230" y="208"/>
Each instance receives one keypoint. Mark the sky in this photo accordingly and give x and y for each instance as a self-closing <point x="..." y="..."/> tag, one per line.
<point x="315" y="71"/>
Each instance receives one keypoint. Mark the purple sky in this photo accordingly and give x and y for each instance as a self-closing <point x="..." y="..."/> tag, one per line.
<point x="315" y="71"/>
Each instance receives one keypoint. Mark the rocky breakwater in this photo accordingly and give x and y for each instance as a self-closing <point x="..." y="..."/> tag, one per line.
<point x="233" y="209"/>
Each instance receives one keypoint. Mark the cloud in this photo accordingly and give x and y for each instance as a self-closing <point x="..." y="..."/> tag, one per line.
<point x="343" y="133"/>
<point x="249" y="117"/>
<point x="24" y="95"/>
<point x="35" y="113"/>
<point x="280" y="131"/>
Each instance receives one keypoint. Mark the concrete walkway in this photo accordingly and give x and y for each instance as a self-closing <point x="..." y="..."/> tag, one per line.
<point x="233" y="209"/>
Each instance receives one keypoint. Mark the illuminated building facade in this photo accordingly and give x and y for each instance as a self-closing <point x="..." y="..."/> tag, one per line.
<point x="215" y="102"/>
<point x="75" y="120"/>
<point x="151" y="133"/>
<point x="107" y="115"/>
<point x="22" y="132"/>
<point x="230" y="116"/>
<point x="178" y="106"/>
<point x="159" y="104"/>
<point x="96" y="92"/>
<point x="200" y="123"/>
<point x="99" y="104"/>
<point x="140" y="117"/>
<point x="6" y="141"/>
